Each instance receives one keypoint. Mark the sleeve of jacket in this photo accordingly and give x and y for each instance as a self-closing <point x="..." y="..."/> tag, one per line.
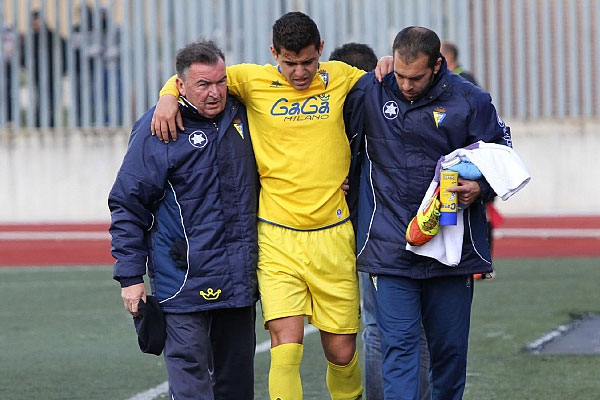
<point x="486" y="125"/>
<point x="354" y="125"/>
<point x="139" y="186"/>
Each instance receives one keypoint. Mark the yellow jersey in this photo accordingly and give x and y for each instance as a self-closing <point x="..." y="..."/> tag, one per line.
<point x="301" y="148"/>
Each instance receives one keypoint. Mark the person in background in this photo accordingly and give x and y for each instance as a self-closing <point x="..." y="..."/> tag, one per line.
<point x="8" y="41"/>
<point x="187" y="213"/>
<point x="362" y="56"/>
<point x="43" y="57"/>
<point x="450" y="53"/>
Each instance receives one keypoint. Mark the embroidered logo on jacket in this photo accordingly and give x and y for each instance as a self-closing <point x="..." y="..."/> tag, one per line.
<point x="390" y="109"/>
<point x="210" y="294"/>
<point x="198" y="139"/>
<point x="439" y="114"/>
<point x="239" y="127"/>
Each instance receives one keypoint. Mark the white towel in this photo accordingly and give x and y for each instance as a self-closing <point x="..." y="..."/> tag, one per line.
<point x="504" y="171"/>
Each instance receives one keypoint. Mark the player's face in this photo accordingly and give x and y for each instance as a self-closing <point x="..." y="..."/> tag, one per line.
<point x="299" y="69"/>
<point x="205" y="86"/>
<point x="414" y="78"/>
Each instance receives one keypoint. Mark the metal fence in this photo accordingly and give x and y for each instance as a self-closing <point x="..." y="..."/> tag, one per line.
<point x="101" y="63"/>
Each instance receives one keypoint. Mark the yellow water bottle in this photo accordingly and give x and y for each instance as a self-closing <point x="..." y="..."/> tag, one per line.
<point x="448" y="200"/>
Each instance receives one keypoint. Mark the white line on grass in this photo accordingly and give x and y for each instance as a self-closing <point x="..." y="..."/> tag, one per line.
<point x="537" y="345"/>
<point x="163" y="388"/>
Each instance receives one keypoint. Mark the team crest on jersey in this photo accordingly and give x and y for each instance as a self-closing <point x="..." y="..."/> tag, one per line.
<point x="198" y="139"/>
<point x="239" y="127"/>
<point x="210" y="294"/>
<point x="439" y="114"/>
<point x="276" y="84"/>
<point x="324" y="77"/>
<point x="390" y="109"/>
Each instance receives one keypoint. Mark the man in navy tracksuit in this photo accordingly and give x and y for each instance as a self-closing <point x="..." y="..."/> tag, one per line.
<point x="400" y="128"/>
<point x="187" y="212"/>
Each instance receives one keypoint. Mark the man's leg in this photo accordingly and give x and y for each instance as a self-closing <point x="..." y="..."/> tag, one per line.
<point x="447" y="325"/>
<point x="286" y="355"/>
<point x="372" y="347"/>
<point x="186" y="356"/>
<point x="371" y="340"/>
<point x="333" y="285"/>
<point x="233" y="344"/>
<point x="398" y="318"/>
<point x="424" y="367"/>
<point x="343" y="370"/>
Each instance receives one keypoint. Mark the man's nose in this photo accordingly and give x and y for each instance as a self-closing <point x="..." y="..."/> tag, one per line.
<point x="213" y="90"/>
<point x="406" y="85"/>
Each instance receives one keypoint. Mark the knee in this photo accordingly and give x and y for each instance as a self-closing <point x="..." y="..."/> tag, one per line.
<point x="285" y="331"/>
<point x="341" y="354"/>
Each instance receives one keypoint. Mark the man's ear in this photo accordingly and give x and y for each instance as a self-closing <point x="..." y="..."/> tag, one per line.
<point x="274" y="53"/>
<point x="437" y="66"/>
<point x="321" y="47"/>
<point x="180" y="86"/>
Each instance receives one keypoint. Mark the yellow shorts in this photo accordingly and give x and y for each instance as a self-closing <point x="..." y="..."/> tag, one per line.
<point x="310" y="273"/>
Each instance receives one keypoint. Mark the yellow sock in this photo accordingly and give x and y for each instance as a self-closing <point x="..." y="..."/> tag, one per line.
<point x="284" y="375"/>
<point x="343" y="381"/>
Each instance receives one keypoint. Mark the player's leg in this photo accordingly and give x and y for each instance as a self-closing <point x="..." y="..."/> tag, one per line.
<point x="343" y="370"/>
<point x="233" y="344"/>
<point x="285" y="302"/>
<point x="333" y="285"/>
<point x="286" y="356"/>
<point x="447" y="326"/>
<point x="187" y="356"/>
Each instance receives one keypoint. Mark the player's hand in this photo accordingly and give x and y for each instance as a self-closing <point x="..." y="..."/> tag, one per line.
<point x="166" y="118"/>
<point x="345" y="186"/>
<point x="467" y="191"/>
<point x="131" y="297"/>
<point x="385" y="65"/>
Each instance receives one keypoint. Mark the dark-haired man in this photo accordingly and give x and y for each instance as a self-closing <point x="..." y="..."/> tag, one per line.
<point x="419" y="113"/>
<point x="306" y="263"/>
<point x="358" y="55"/>
<point x="197" y="197"/>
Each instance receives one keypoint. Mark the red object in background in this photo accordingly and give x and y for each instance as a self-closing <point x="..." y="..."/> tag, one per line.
<point x="89" y="244"/>
<point x="542" y="237"/>
<point x="54" y="244"/>
<point x="493" y="215"/>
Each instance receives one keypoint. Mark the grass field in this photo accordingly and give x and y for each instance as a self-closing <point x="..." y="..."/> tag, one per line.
<point x="65" y="335"/>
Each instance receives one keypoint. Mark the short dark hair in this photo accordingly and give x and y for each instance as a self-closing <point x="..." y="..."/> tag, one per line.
<point x="203" y="52"/>
<point x="294" y="31"/>
<point x="356" y="54"/>
<point x="415" y="40"/>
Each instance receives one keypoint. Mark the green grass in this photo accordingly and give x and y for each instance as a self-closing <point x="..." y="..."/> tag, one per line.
<point x="65" y="335"/>
<point x="528" y="299"/>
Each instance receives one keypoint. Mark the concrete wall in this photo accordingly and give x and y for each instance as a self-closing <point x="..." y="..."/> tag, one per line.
<point x="561" y="156"/>
<point x="60" y="177"/>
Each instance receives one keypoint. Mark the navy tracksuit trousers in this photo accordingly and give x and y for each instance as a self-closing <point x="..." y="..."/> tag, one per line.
<point x="444" y="307"/>
<point x="210" y="354"/>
